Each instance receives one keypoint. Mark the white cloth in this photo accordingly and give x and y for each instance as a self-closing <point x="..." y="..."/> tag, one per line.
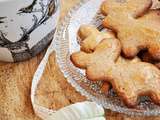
<point x="79" y="111"/>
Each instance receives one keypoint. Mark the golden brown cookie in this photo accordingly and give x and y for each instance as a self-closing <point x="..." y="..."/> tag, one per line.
<point x="88" y="43"/>
<point x="129" y="78"/>
<point x="89" y="37"/>
<point x="137" y="26"/>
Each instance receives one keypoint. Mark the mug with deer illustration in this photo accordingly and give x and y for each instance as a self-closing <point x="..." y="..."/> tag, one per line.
<point x="26" y="27"/>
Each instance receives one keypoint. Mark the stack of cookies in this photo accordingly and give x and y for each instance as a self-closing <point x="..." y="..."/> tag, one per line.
<point x="128" y="56"/>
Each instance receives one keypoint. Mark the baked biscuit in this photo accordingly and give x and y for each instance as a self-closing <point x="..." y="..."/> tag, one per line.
<point x="137" y="26"/>
<point x="88" y="43"/>
<point x="90" y="37"/>
<point x="129" y="78"/>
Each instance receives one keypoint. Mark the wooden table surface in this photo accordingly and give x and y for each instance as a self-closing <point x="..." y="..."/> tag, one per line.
<point x="53" y="90"/>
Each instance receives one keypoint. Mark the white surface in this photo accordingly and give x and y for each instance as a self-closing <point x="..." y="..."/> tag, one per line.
<point x="10" y="10"/>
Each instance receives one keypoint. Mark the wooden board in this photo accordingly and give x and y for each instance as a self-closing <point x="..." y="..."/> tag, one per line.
<point x="53" y="90"/>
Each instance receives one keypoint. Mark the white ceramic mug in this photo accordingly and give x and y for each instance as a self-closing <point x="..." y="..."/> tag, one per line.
<point x="26" y="27"/>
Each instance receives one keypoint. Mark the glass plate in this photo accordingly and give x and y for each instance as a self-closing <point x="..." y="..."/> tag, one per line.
<point x="86" y="12"/>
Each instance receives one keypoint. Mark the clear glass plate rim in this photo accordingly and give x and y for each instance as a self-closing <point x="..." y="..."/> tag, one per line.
<point x="62" y="28"/>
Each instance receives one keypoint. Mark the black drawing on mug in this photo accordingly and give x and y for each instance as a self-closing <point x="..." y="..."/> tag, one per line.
<point x="20" y="49"/>
<point x="2" y="19"/>
<point x="29" y="8"/>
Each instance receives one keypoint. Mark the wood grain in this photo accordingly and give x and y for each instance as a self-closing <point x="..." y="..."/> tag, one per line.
<point x="53" y="90"/>
<point x="15" y="84"/>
